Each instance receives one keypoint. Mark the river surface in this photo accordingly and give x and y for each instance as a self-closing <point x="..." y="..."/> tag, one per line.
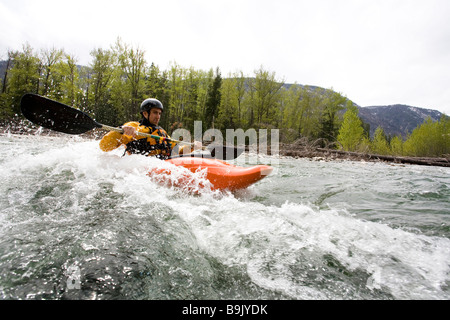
<point x="77" y="223"/>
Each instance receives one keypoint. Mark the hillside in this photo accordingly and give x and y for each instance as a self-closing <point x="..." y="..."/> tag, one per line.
<point x="396" y="119"/>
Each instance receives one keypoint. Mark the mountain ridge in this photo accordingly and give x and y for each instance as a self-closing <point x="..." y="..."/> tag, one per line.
<point x="397" y="119"/>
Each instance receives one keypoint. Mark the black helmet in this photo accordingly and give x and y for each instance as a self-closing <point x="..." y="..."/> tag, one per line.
<point x="151" y="103"/>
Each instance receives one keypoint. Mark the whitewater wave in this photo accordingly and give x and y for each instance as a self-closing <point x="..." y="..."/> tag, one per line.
<point x="68" y="206"/>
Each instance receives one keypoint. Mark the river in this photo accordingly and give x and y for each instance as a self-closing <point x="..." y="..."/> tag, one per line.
<point x="77" y="223"/>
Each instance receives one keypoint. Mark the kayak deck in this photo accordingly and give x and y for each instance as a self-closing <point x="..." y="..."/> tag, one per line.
<point x="220" y="174"/>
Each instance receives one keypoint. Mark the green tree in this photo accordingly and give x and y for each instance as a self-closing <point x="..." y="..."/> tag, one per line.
<point x="265" y="95"/>
<point x="156" y="86"/>
<point x="294" y="111"/>
<point x="397" y="146"/>
<point x="379" y="143"/>
<point x="240" y="85"/>
<point x="84" y="86"/>
<point x="192" y="103"/>
<point x="5" y="108"/>
<point x="205" y="82"/>
<point x="228" y="111"/>
<point x="51" y="73"/>
<point x="430" y="139"/>
<point x="310" y="104"/>
<point x="213" y="101"/>
<point x="292" y="114"/>
<point x="351" y="133"/>
<point x="188" y="91"/>
<point x="130" y="75"/>
<point x="330" y="122"/>
<point x="23" y="78"/>
<point x="71" y="87"/>
<point x="176" y="90"/>
<point x="9" y="63"/>
<point x="102" y="72"/>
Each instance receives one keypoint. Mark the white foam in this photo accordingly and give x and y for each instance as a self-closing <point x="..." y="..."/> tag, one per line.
<point x="239" y="231"/>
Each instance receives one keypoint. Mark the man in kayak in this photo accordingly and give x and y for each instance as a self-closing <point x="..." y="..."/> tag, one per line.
<point x="151" y="110"/>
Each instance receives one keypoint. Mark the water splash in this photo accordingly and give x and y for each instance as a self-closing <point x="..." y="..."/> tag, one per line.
<point x="313" y="231"/>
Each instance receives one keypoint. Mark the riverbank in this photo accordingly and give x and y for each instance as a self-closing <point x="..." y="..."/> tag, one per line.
<point x="302" y="148"/>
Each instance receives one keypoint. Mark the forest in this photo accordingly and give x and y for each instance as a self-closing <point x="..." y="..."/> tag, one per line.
<point x="112" y="87"/>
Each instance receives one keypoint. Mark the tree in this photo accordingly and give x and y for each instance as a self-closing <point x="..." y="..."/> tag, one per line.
<point x="240" y="85"/>
<point x="102" y="71"/>
<point x="310" y="105"/>
<point x="430" y="139"/>
<point x="192" y="109"/>
<point x="156" y="86"/>
<point x="70" y="86"/>
<point x="228" y="111"/>
<point x="130" y="74"/>
<point x="51" y="77"/>
<point x="213" y="101"/>
<point x="9" y="62"/>
<point x="5" y="108"/>
<point x="334" y="102"/>
<point x="397" y="146"/>
<point x="379" y="144"/>
<point x="23" y="78"/>
<point x="351" y="133"/>
<point x="85" y="85"/>
<point x="265" y="95"/>
<point x="292" y="113"/>
<point x="176" y="93"/>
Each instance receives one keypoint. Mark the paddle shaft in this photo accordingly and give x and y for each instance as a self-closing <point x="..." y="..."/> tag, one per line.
<point x="148" y="135"/>
<point x="224" y="152"/>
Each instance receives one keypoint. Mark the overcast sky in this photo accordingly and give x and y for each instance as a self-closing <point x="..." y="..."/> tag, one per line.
<point x="375" y="52"/>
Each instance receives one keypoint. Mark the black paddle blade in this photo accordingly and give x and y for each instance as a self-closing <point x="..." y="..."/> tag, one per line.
<point x="225" y="152"/>
<point x="221" y="152"/>
<point x="54" y="115"/>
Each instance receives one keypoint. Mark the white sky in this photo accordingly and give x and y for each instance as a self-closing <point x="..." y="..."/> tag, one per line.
<point x="375" y="52"/>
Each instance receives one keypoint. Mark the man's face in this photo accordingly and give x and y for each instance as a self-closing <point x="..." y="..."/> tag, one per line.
<point x="153" y="116"/>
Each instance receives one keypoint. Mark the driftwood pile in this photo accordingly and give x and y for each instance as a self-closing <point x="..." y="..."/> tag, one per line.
<point x="303" y="148"/>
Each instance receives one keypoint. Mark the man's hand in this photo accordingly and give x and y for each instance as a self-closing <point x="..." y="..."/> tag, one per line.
<point x="197" y="145"/>
<point x="129" y="131"/>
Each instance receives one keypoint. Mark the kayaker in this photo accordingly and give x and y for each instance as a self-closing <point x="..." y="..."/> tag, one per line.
<point x="151" y="111"/>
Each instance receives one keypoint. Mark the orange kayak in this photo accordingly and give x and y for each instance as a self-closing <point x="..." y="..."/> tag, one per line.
<point x="219" y="174"/>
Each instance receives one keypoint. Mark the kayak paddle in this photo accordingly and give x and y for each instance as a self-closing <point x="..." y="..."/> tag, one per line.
<point x="59" y="117"/>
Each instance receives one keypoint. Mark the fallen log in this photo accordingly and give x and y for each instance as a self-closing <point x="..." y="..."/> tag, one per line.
<point x="305" y="150"/>
<point x="442" y="162"/>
